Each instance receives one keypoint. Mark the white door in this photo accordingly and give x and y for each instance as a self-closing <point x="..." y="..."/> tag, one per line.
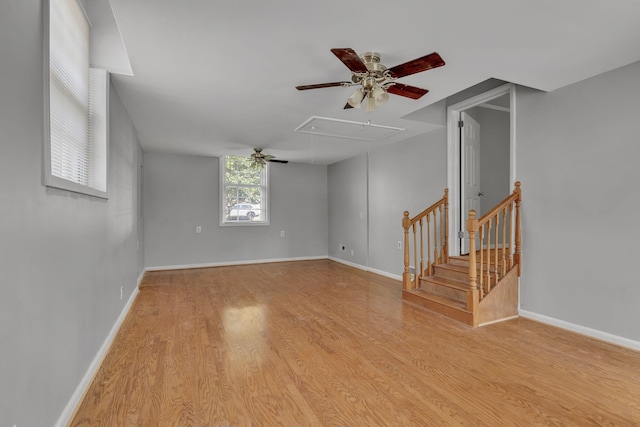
<point x="470" y="179"/>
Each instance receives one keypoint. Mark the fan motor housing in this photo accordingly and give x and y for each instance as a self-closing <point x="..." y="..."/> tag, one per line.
<point x="375" y="69"/>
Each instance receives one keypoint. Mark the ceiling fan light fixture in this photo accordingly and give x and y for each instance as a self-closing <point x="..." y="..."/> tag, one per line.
<point x="356" y="98"/>
<point x="371" y="103"/>
<point x="380" y="95"/>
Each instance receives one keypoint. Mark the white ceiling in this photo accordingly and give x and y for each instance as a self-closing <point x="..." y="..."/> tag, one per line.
<point x="218" y="77"/>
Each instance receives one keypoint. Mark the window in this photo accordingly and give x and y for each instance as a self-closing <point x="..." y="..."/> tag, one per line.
<point x="243" y="190"/>
<point x="76" y="138"/>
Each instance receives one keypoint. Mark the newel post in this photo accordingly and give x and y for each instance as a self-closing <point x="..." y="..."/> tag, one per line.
<point x="445" y="248"/>
<point x="518" y="249"/>
<point x="406" y="274"/>
<point x="472" y="295"/>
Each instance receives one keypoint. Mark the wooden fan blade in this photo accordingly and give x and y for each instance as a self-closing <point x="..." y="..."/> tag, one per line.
<point x="321" y="85"/>
<point x="407" y="91"/>
<point x="427" y="62"/>
<point x="351" y="59"/>
<point x="278" y="161"/>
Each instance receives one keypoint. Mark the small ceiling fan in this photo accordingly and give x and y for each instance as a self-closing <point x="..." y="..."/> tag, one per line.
<point x="259" y="160"/>
<point x="376" y="81"/>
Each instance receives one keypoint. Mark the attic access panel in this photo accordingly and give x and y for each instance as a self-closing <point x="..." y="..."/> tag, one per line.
<point x="346" y="129"/>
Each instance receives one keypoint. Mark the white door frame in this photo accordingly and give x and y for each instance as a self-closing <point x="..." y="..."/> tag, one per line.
<point x="453" y="154"/>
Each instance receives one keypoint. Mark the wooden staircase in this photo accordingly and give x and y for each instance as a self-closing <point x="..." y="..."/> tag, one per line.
<point x="475" y="289"/>
<point x="447" y="292"/>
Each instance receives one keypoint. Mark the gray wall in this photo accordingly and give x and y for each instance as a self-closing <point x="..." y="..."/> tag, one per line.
<point x="389" y="180"/>
<point x="348" y="210"/>
<point x="182" y="192"/>
<point x="405" y="176"/>
<point x="63" y="256"/>
<point x="577" y="158"/>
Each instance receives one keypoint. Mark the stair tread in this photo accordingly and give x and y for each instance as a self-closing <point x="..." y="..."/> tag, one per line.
<point x="439" y="299"/>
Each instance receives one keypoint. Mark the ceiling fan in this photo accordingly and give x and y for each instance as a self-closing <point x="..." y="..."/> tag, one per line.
<point x="376" y="81"/>
<point x="259" y="160"/>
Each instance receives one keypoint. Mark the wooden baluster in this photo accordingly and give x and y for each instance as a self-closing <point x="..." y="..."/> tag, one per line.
<point x="421" y="249"/>
<point x="429" y="245"/>
<point x="446" y="226"/>
<point x="437" y="225"/>
<point x="435" y="237"/>
<point x="441" y="234"/>
<point x="495" y="252"/>
<point x="472" y="294"/>
<point x="518" y="248"/>
<point x="480" y="273"/>
<point x="488" y="254"/>
<point x="406" y="273"/>
<point x="503" y="260"/>
<point x="415" y="257"/>
<point x="511" y="242"/>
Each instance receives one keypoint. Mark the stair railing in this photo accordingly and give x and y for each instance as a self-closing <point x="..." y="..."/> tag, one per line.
<point x="432" y="226"/>
<point x="491" y="240"/>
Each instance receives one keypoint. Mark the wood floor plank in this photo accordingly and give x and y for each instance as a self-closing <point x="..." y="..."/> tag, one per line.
<point x="317" y="343"/>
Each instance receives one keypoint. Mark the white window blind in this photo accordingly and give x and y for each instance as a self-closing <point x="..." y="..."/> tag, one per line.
<point x="77" y="104"/>
<point x="98" y="119"/>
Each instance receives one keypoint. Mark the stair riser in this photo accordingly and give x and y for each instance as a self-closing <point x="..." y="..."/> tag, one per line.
<point x="444" y="291"/>
<point x="464" y="262"/>
<point x="460" y="262"/>
<point x="461" y="276"/>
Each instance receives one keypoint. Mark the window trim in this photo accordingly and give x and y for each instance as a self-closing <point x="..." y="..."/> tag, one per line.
<point x="51" y="180"/>
<point x="264" y="203"/>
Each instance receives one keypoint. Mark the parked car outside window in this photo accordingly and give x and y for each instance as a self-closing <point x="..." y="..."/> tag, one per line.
<point x="243" y="212"/>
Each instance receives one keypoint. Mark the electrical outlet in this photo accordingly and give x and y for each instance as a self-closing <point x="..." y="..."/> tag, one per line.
<point x="121" y="292"/>
<point x="399" y="244"/>
<point x="343" y="248"/>
<point x="198" y="229"/>
<point x="281" y="233"/>
<point x="351" y="252"/>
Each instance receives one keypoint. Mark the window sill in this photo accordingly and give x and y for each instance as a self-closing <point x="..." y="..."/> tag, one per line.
<point x="63" y="184"/>
<point x="243" y="223"/>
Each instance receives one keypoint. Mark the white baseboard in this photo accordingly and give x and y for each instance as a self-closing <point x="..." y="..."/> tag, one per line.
<point x="368" y="269"/>
<point x="69" y="410"/>
<point x="266" y="261"/>
<point x="228" y="263"/>
<point x="594" y="333"/>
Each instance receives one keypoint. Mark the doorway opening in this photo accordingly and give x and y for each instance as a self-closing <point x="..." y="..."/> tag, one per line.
<point x="479" y="175"/>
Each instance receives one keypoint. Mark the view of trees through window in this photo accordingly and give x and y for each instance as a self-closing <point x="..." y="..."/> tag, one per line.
<point x="244" y="190"/>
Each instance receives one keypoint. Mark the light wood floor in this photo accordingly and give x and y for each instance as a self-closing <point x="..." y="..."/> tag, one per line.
<point x="320" y="344"/>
